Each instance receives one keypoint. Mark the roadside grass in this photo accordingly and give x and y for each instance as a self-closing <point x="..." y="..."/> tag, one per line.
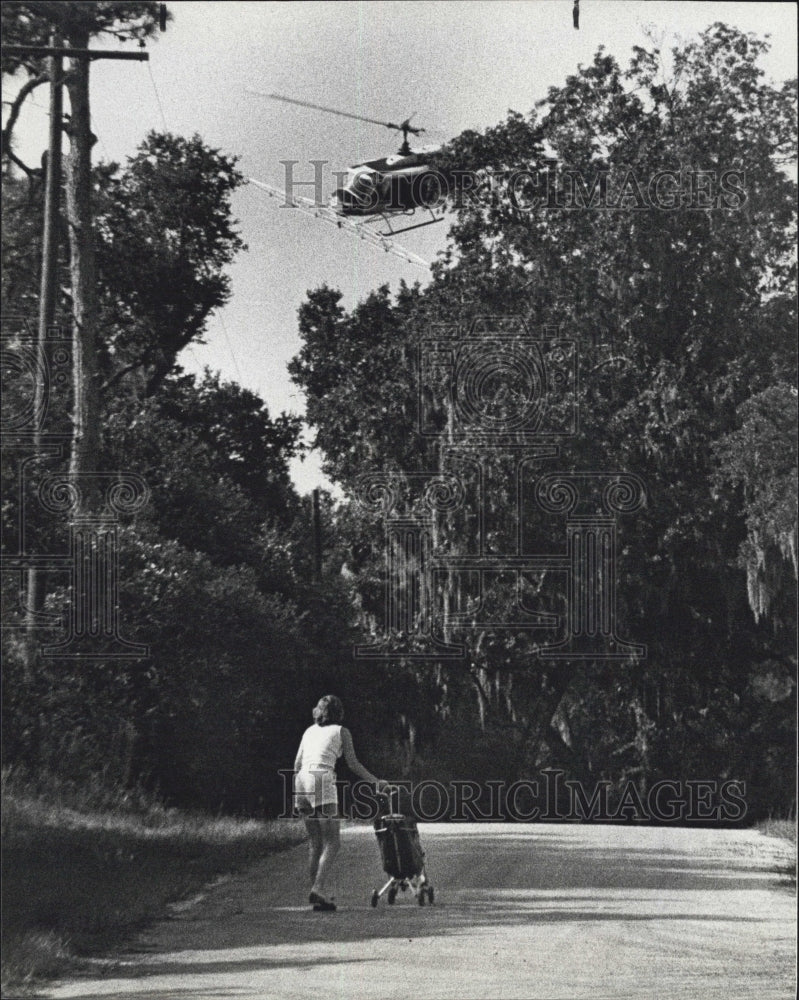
<point x="77" y="880"/>
<point x="783" y="829"/>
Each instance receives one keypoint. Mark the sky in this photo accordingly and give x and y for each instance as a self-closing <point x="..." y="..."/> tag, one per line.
<point x="455" y="65"/>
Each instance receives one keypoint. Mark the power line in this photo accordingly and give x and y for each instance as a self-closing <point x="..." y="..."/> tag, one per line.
<point x="230" y="347"/>
<point x="157" y="97"/>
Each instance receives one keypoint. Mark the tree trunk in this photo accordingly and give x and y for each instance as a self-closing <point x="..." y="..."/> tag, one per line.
<point x="86" y="424"/>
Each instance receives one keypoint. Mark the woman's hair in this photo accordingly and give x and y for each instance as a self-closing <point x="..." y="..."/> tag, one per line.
<point x="329" y="709"/>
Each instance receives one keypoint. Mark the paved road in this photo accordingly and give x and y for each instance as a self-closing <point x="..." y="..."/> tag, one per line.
<point x="543" y="911"/>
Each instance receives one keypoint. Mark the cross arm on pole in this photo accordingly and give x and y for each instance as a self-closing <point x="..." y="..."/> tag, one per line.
<point x="49" y="50"/>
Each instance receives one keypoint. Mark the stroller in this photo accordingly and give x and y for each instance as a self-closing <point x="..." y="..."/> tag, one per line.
<point x="402" y="854"/>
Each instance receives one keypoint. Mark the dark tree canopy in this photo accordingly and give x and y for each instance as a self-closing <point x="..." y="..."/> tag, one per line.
<point x="685" y="317"/>
<point x="165" y="236"/>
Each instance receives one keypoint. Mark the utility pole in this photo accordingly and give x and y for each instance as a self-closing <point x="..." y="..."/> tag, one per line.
<point x="47" y="299"/>
<point x="85" y="403"/>
<point x="49" y="284"/>
<point x="86" y="397"/>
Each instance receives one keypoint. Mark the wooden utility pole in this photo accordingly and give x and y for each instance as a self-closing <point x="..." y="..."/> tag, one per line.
<point x="83" y="270"/>
<point x="86" y="395"/>
<point x="49" y="281"/>
<point x="85" y="438"/>
<point x="52" y="192"/>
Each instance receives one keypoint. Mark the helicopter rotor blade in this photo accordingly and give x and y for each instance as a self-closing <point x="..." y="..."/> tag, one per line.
<point x="322" y="107"/>
<point x="413" y="129"/>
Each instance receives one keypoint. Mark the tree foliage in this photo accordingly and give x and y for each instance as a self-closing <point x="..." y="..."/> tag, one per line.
<point x="165" y="236"/>
<point x="761" y="458"/>
<point x="684" y="312"/>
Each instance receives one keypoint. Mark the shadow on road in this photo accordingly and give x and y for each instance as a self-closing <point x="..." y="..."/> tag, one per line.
<point x="483" y="879"/>
<point x="521" y="902"/>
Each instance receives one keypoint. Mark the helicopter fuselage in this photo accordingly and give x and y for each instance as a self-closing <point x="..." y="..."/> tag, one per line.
<point x="401" y="183"/>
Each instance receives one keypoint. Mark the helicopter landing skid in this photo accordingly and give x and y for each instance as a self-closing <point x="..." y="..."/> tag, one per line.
<point x="406" y="229"/>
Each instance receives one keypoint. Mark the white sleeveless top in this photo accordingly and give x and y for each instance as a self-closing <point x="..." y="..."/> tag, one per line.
<point x="320" y="747"/>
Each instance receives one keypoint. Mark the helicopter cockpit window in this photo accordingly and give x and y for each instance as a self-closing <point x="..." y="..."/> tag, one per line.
<point x="362" y="184"/>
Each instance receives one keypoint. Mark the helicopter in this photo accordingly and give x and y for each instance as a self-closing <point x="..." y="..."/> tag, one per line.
<point x="385" y="188"/>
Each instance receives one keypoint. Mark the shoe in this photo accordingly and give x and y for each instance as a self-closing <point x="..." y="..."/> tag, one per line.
<point x="320" y="903"/>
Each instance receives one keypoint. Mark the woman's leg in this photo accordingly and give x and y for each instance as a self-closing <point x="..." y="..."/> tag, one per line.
<point x="314" y="845"/>
<point x="329" y="828"/>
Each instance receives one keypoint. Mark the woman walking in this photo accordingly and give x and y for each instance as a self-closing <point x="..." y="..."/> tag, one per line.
<point x="315" y="791"/>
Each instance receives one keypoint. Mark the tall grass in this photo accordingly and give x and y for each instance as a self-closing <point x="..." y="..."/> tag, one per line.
<point x="83" y="867"/>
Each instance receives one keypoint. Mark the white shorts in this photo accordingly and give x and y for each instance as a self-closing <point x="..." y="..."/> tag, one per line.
<point x="313" y="789"/>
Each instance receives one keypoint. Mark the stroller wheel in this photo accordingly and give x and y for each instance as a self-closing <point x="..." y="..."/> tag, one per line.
<point x="375" y="897"/>
<point x="392" y="895"/>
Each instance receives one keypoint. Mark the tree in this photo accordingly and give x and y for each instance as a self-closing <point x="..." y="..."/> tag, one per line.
<point x="681" y="312"/>
<point x="216" y="577"/>
<point x="353" y="370"/>
<point x="165" y="235"/>
<point x="216" y="461"/>
<point x="761" y="458"/>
